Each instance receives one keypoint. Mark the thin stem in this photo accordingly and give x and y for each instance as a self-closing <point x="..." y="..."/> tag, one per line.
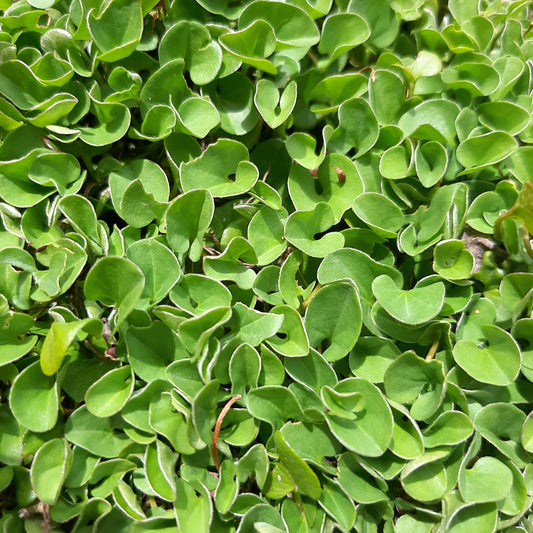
<point x="434" y="346"/>
<point x="218" y="424"/>
<point x="312" y="295"/>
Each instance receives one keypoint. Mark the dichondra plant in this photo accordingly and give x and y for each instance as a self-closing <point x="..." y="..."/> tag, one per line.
<point x="266" y="265"/>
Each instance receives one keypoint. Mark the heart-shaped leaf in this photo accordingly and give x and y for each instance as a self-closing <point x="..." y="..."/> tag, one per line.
<point x="34" y="399"/>
<point x="357" y="435"/>
<point x="274" y="109"/>
<point x="415" y="306"/>
<point x="342" y="32"/>
<point x="110" y="393"/>
<point x="49" y="468"/>
<point x="499" y="353"/>
<point x="223" y="169"/>
<point x="117" y="282"/>
<point x="252" y="45"/>
<point x="333" y="317"/>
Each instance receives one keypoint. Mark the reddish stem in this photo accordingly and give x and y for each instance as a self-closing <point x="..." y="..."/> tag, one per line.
<point x="218" y="423"/>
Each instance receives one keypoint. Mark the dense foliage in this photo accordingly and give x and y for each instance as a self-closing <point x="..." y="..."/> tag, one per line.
<point x="266" y="266"/>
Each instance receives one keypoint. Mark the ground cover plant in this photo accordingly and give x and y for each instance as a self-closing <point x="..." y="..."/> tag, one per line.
<point x="266" y="266"/>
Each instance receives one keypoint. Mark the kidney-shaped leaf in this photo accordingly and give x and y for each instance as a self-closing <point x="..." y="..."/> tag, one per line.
<point x="223" y="169"/>
<point x="489" y="480"/>
<point x="188" y="219"/>
<point x="252" y="45"/>
<point x="412" y="380"/>
<point x="302" y="227"/>
<point x="50" y="466"/>
<point x="342" y="32"/>
<point x="333" y="319"/>
<point x="274" y="109"/>
<point x="487" y="149"/>
<point x="497" y="360"/>
<point x="371" y="431"/>
<point x="115" y="281"/>
<point x="415" y="306"/>
<point x="34" y="399"/>
<point x="110" y="393"/>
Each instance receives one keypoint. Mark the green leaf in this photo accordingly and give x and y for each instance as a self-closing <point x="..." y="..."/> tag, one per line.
<point x="379" y="213"/>
<point x="292" y="26"/>
<point x="371" y="431"/>
<point x="501" y="425"/>
<point x="381" y="19"/>
<point x="192" y="507"/>
<point x="151" y="349"/>
<point x="415" y="306"/>
<point x="432" y="120"/>
<point x="371" y="356"/>
<point x="233" y="97"/>
<point x="117" y="282"/>
<point x="112" y="122"/>
<point x="274" y="108"/>
<point x="407" y="441"/>
<point x="196" y="294"/>
<point x="266" y="233"/>
<point x="126" y="500"/>
<point x="34" y="399"/>
<point x="252" y="45"/>
<point x="98" y="436"/>
<point x="496" y="361"/>
<point x="488" y="480"/>
<point x="480" y="517"/>
<point x="116" y="40"/>
<point x="159" y="266"/>
<point x="198" y="116"/>
<point x="431" y="162"/>
<point x="110" y="393"/>
<point x="305" y="480"/>
<point x="233" y="264"/>
<point x="336" y="183"/>
<point x="57" y="169"/>
<point x="386" y="92"/>
<point x="273" y="404"/>
<point x="452" y="261"/>
<point x="357" y="266"/>
<point x="191" y="41"/>
<point x="302" y="227"/>
<point x="342" y="32"/>
<point x="450" y="428"/>
<point x="503" y="116"/>
<point x="160" y="470"/>
<point x="253" y="327"/>
<point x="227" y="488"/>
<point x="412" y="380"/>
<point x="223" y="169"/>
<point x="312" y="442"/>
<point x="60" y="336"/>
<point x="424" y="480"/>
<point x="334" y="317"/>
<point x="50" y="466"/>
<point x="479" y="79"/>
<point x="291" y="338"/>
<point x="244" y="368"/>
<point x="358" y="128"/>
<point x="358" y="483"/>
<point x="483" y="150"/>
<point x="187" y="219"/>
<point x="11" y="436"/>
<point x="527" y="433"/>
<point x="14" y="343"/>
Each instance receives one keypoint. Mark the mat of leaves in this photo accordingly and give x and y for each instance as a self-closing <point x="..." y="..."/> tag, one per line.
<point x="266" y="266"/>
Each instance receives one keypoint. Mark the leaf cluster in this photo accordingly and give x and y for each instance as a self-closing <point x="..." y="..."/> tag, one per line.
<point x="266" y="265"/>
